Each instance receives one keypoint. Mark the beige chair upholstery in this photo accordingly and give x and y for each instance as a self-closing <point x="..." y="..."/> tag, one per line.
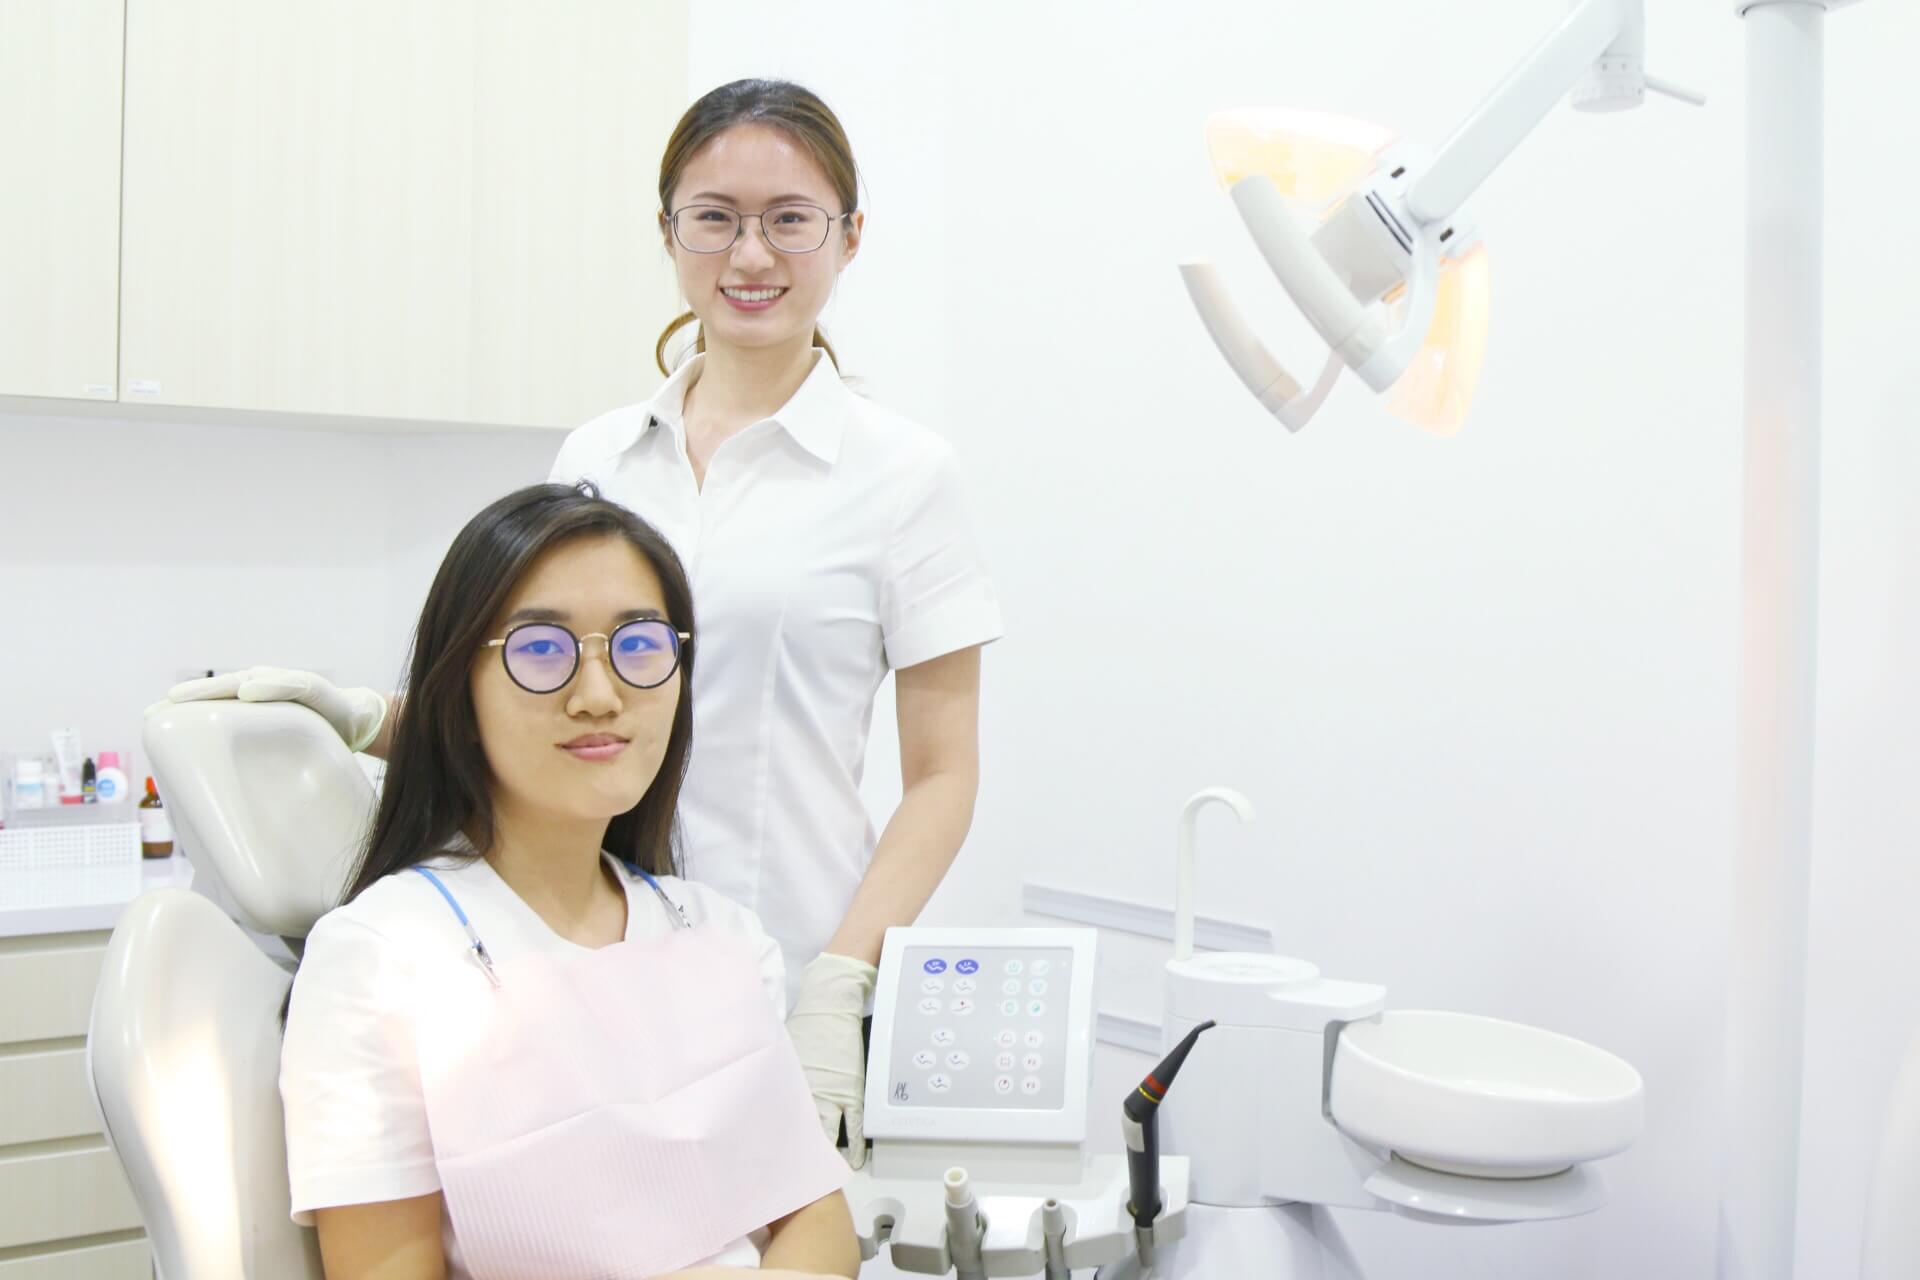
<point x="184" y="1054"/>
<point x="184" y="1047"/>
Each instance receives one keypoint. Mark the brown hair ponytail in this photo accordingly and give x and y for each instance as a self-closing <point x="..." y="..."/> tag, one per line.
<point x="686" y="318"/>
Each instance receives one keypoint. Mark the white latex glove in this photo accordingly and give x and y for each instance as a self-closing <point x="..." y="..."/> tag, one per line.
<point x="825" y="1028"/>
<point x="355" y="714"/>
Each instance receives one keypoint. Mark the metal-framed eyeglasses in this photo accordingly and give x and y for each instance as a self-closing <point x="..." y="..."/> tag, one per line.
<point x="715" y="228"/>
<point x="542" y="657"/>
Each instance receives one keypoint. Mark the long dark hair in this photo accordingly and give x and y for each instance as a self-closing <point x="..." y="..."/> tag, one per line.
<point x="437" y="784"/>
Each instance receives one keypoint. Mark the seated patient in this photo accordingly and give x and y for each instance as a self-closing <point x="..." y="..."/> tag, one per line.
<point x="523" y="1047"/>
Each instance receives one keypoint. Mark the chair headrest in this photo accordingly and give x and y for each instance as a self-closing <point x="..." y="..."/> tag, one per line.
<point x="268" y="798"/>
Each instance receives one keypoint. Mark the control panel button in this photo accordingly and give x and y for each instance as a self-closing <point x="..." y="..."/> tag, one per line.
<point x="1015" y="968"/>
<point x="961" y="1007"/>
<point x="1041" y="968"/>
<point x="929" y="1004"/>
<point x="943" y="1036"/>
<point x="965" y="986"/>
<point x="1032" y="1062"/>
<point x="1003" y="1062"/>
<point x="1034" y="1039"/>
<point x="1028" y="1086"/>
<point x="1037" y="987"/>
<point x="933" y="986"/>
<point x="939" y="1083"/>
<point x="959" y="1060"/>
<point x="1010" y="1008"/>
<point x="925" y="1059"/>
<point x="1036" y="1008"/>
<point x="935" y="966"/>
<point x="967" y="966"/>
<point x="1011" y="987"/>
<point x="1003" y="1084"/>
<point x="1005" y="1039"/>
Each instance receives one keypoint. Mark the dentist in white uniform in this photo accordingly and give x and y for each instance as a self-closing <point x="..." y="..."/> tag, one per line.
<point x="828" y="542"/>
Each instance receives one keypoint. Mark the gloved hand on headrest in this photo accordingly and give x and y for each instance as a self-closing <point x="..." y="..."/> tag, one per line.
<point x="355" y="714"/>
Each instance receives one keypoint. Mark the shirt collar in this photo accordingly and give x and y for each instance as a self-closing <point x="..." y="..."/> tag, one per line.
<point x="815" y="417"/>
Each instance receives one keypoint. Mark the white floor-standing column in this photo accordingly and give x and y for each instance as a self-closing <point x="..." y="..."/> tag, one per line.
<point x="1766" y="1010"/>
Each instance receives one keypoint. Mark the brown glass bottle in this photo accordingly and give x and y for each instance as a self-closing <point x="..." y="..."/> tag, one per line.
<point x="156" y="828"/>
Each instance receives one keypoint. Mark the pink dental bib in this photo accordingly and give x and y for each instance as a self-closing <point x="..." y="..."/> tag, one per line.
<point x="618" y="1113"/>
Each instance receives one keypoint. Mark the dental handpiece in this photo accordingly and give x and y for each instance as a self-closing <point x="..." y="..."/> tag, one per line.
<point x="966" y="1228"/>
<point x="1053" y="1238"/>
<point x="1140" y="1123"/>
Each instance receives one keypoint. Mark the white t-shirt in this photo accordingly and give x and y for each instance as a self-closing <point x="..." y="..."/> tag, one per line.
<point x="349" y="1074"/>
<point x="829" y="544"/>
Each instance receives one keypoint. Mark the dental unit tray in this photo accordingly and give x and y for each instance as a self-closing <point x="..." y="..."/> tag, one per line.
<point x="981" y="1060"/>
<point x="905" y="1216"/>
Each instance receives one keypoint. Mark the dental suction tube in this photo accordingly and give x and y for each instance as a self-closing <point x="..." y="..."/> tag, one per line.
<point x="1140" y="1123"/>
<point x="966" y="1228"/>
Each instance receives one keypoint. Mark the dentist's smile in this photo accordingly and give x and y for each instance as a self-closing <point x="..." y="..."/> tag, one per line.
<point x="745" y="298"/>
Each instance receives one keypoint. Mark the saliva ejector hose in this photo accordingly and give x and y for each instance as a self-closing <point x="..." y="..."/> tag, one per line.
<point x="1141" y="1124"/>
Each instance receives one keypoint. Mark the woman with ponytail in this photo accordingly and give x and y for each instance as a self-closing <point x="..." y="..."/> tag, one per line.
<point x="828" y="541"/>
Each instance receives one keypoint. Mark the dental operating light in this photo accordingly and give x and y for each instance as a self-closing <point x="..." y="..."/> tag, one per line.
<point x="1378" y="251"/>
<point x="1370" y="235"/>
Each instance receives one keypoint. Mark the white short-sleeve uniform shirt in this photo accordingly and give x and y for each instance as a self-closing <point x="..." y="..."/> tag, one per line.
<point x="371" y="973"/>
<point x="830" y="543"/>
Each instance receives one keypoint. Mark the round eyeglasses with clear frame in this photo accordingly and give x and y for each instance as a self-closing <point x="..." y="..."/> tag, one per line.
<point x="715" y="228"/>
<point x="542" y="657"/>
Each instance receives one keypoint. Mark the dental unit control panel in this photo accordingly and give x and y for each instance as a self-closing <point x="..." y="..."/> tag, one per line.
<point x="985" y="1035"/>
<point x="977" y="1104"/>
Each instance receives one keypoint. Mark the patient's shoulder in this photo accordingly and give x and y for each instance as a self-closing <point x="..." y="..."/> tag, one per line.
<point x="399" y="909"/>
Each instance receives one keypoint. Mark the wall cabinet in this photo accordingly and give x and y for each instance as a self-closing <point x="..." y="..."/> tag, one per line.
<point x="393" y="211"/>
<point x="59" y="197"/>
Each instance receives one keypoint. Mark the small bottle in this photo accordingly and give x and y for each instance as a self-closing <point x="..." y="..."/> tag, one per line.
<point x="156" y="829"/>
<point x="89" y="785"/>
<point x="110" y="781"/>
<point x="29" y="785"/>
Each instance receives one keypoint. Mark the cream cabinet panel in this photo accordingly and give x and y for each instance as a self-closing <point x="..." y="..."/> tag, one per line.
<point x="47" y="1097"/>
<point x="125" y="1260"/>
<point x="60" y="215"/>
<point x="77" y="1190"/>
<point x="46" y="985"/>
<point x="434" y="210"/>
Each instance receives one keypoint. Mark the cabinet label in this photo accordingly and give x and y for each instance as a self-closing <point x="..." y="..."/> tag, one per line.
<point x="143" y="386"/>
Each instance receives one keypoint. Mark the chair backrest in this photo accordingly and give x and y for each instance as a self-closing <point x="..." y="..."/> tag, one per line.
<point x="184" y="1047"/>
<point x="184" y="1058"/>
<point x="267" y="798"/>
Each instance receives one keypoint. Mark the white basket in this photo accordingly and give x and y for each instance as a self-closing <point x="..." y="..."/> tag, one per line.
<point x="70" y="845"/>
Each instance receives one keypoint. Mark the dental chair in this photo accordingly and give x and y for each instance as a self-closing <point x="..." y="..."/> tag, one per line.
<point x="183" y="1053"/>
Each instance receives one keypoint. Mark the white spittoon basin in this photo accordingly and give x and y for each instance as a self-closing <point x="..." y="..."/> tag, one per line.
<point x="1481" y="1097"/>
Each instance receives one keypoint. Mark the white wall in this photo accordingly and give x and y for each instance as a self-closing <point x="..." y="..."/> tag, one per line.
<point x="135" y="551"/>
<point x="1482" y="689"/>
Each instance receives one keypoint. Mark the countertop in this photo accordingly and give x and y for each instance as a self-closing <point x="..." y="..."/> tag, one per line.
<point x="82" y="899"/>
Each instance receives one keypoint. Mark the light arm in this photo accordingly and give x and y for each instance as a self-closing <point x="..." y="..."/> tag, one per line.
<point x="1523" y="100"/>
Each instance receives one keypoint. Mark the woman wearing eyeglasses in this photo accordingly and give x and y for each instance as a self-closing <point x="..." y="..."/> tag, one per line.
<point x="828" y="542"/>
<point x="523" y="1046"/>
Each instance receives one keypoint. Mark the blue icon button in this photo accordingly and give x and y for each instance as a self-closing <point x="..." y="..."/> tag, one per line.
<point x="936" y="966"/>
<point x="967" y="966"/>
